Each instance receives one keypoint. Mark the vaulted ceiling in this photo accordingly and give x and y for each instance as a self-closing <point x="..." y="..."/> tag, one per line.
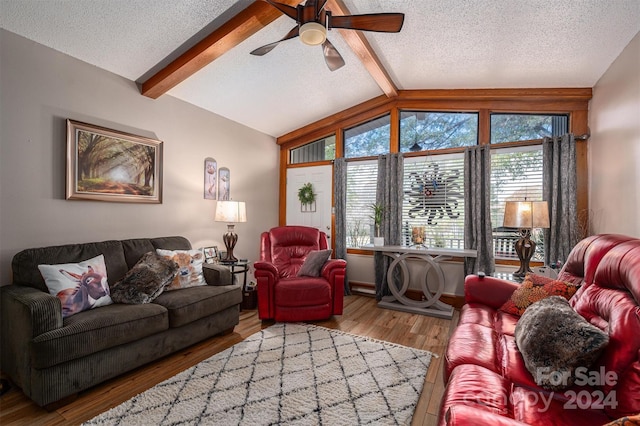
<point x="198" y="50"/>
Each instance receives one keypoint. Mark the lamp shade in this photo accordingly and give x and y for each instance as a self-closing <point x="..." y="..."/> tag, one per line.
<point x="231" y="211"/>
<point x="526" y="214"/>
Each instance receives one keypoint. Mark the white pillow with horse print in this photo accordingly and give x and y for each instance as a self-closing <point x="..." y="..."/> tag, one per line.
<point x="79" y="286"/>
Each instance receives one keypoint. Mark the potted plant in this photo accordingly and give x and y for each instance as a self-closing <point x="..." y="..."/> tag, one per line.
<point x="378" y="211"/>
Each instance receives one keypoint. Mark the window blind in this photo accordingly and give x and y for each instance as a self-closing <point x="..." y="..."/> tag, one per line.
<point x="362" y="177"/>
<point x="434" y="199"/>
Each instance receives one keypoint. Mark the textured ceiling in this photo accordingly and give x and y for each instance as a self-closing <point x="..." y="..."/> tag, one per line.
<point x="443" y="44"/>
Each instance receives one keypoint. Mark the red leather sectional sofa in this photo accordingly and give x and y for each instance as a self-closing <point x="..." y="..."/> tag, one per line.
<point x="486" y="379"/>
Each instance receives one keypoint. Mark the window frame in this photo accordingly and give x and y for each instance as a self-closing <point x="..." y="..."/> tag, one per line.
<point x="573" y="102"/>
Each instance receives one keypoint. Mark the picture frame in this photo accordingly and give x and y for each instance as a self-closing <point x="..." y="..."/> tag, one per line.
<point x="210" y="188"/>
<point x="108" y="165"/>
<point x="210" y="254"/>
<point x="224" y="184"/>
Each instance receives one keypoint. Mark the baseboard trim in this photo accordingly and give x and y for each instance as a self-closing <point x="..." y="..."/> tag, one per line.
<point x="368" y="289"/>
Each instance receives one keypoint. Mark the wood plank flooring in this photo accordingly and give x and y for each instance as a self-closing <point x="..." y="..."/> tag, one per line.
<point x="361" y="317"/>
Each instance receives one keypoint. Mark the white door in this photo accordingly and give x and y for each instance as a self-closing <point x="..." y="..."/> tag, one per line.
<point x="321" y="178"/>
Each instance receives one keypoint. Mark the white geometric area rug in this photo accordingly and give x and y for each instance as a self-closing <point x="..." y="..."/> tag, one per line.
<point x="287" y="374"/>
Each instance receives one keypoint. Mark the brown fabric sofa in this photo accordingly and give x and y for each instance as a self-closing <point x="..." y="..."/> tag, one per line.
<point x="50" y="357"/>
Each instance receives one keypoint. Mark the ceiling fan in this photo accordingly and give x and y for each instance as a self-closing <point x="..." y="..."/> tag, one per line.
<point x="313" y="21"/>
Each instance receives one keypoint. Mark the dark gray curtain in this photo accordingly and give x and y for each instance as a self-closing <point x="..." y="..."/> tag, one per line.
<point x="559" y="188"/>
<point x="388" y="193"/>
<point x="478" y="234"/>
<point x="340" y="197"/>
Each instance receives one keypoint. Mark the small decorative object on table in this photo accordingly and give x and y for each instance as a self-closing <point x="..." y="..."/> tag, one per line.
<point x="418" y="236"/>
<point x="210" y="254"/>
<point x="378" y="212"/>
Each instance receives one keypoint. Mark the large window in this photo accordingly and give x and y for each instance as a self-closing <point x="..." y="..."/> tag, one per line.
<point x="434" y="199"/>
<point x="523" y="127"/>
<point x="368" y="139"/>
<point x="516" y="174"/>
<point x="362" y="177"/>
<point x="422" y="131"/>
<point x="320" y="150"/>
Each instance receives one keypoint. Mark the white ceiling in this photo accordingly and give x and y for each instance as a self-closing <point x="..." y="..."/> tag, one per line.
<point x="452" y="44"/>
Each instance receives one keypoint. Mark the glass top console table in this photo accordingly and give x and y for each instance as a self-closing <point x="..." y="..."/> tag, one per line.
<point x="430" y="257"/>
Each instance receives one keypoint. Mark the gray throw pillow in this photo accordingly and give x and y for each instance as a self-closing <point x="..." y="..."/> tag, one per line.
<point x="555" y="340"/>
<point x="146" y="280"/>
<point x="313" y="263"/>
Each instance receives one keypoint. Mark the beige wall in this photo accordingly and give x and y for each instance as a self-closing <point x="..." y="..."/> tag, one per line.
<point x="40" y="88"/>
<point x="614" y="146"/>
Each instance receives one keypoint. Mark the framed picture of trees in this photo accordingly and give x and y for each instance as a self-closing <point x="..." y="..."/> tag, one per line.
<point x="108" y="165"/>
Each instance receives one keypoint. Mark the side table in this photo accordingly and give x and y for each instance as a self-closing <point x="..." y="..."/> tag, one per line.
<point x="240" y="267"/>
<point x="249" y="295"/>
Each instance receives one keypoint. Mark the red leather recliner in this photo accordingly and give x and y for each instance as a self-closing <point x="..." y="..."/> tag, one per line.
<point x="284" y="296"/>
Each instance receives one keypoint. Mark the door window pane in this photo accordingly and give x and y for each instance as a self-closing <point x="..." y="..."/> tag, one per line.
<point x="320" y="150"/>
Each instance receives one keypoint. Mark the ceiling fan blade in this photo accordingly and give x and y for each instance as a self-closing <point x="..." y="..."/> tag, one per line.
<point x="290" y="11"/>
<point x="331" y="56"/>
<point x="319" y="6"/>
<point x="269" y="47"/>
<point x="380" y="22"/>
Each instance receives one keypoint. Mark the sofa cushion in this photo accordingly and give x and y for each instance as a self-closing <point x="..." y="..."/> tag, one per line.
<point x="190" y="304"/>
<point x="79" y="286"/>
<point x="477" y="387"/>
<point x="136" y="247"/>
<point x="555" y="340"/>
<point x="472" y="344"/>
<point x="313" y="263"/>
<point x="534" y="288"/>
<point x="146" y="280"/>
<point x="97" y="329"/>
<point x="25" y="263"/>
<point x="189" y="268"/>
<point x="304" y="291"/>
<point x="537" y="407"/>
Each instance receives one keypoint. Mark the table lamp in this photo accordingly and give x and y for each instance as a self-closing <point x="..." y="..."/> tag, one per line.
<point x="231" y="212"/>
<point x="525" y="215"/>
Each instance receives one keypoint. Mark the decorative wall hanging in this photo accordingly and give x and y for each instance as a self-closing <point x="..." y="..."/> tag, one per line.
<point x="108" y="165"/>
<point x="307" y="198"/>
<point x="224" y="184"/>
<point x="210" y="178"/>
<point x="434" y="194"/>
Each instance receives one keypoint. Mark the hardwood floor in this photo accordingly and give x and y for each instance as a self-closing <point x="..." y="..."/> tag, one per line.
<point x="361" y="316"/>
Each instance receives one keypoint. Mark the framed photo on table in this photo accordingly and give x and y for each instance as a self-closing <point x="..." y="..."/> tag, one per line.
<point x="210" y="254"/>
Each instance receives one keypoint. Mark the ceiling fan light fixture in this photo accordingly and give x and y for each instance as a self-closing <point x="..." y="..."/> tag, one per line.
<point x="313" y="33"/>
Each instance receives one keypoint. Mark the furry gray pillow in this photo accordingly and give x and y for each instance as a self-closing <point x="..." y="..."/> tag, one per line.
<point x="146" y="280"/>
<point x="555" y="340"/>
<point x="313" y="263"/>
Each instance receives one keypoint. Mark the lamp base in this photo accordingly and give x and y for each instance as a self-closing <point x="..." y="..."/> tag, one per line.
<point x="525" y="248"/>
<point x="230" y="238"/>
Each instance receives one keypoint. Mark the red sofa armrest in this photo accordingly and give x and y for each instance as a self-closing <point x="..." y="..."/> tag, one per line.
<point x="489" y="291"/>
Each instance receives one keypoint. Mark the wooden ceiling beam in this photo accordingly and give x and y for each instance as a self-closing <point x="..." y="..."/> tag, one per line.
<point x="361" y="47"/>
<point x="249" y="21"/>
